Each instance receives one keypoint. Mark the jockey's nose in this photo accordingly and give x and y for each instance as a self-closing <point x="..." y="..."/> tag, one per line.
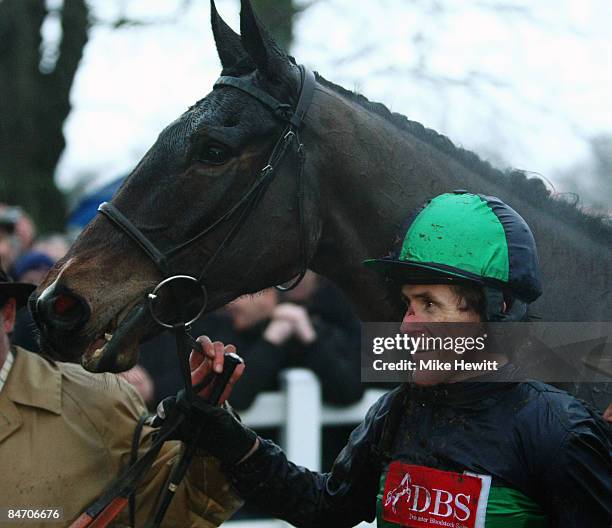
<point x="411" y="318"/>
<point x="61" y="309"/>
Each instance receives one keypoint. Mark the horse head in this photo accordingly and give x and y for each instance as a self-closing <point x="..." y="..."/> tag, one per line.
<point x="197" y="179"/>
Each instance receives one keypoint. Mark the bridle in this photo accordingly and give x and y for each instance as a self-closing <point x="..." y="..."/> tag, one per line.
<point x="247" y="203"/>
<point x="121" y="492"/>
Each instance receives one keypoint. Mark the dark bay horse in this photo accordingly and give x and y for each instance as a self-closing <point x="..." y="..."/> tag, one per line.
<point x="365" y="170"/>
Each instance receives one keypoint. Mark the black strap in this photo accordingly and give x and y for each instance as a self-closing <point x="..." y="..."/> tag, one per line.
<point x="133" y="458"/>
<point x="301" y="220"/>
<point x="281" y="110"/>
<point x="308" y="88"/>
<point x="117" y="217"/>
<point x="183" y="346"/>
<point x="187" y="403"/>
<point x="129" y="479"/>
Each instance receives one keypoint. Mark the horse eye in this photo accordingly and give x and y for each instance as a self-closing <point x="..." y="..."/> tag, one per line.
<point x="214" y="155"/>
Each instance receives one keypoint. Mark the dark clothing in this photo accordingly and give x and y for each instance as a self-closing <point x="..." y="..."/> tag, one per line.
<point x="544" y="454"/>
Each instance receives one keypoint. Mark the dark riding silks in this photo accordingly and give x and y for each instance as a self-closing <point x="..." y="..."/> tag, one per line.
<point x="65" y="434"/>
<point x="485" y="453"/>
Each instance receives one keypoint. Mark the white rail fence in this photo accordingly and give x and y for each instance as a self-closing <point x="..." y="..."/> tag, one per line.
<point x="297" y="409"/>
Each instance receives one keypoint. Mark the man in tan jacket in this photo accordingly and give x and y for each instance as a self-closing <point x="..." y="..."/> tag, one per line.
<point x="65" y="434"/>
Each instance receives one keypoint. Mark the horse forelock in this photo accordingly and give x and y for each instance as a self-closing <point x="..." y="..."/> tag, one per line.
<point x="525" y="185"/>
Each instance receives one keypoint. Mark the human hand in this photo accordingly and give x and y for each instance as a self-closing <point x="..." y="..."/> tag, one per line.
<point x="217" y="430"/>
<point x="607" y="415"/>
<point x="211" y="359"/>
<point x="300" y="321"/>
<point x="223" y="436"/>
<point x="278" y="331"/>
<point x="140" y="379"/>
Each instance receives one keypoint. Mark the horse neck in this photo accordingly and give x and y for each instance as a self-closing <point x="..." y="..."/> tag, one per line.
<point x="371" y="176"/>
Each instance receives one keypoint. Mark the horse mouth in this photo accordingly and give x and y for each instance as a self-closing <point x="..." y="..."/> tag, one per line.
<point x="115" y="349"/>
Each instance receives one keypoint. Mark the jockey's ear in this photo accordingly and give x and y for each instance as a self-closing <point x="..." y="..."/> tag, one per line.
<point x="259" y="44"/>
<point x="229" y="45"/>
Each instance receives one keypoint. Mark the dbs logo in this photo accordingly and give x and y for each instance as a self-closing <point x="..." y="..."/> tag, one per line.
<point x="418" y="496"/>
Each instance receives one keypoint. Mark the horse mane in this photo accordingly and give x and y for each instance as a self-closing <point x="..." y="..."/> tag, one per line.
<point x="530" y="189"/>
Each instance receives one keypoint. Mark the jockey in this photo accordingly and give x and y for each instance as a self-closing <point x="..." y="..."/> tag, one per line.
<point x="450" y="448"/>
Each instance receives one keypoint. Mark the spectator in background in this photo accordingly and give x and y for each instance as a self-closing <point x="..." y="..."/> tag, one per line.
<point x="9" y="243"/>
<point x="18" y="237"/>
<point x="17" y="232"/>
<point x="25" y="231"/>
<point x="32" y="266"/>
<point x="312" y="326"/>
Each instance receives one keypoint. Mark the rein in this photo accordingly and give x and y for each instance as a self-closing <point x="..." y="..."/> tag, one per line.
<point x="121" y="492"/>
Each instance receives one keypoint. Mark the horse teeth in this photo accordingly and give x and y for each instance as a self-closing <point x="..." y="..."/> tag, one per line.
<point x="108" y="336"/>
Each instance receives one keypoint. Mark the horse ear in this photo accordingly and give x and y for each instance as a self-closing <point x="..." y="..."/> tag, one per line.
<point x="229" y="45"/>
<point x="260" y="45"/>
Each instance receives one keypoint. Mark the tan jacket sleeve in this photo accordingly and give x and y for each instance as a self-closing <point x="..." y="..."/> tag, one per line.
<point x="204" y="498"/>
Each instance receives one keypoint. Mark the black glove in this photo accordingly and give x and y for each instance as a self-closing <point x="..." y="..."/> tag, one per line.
<point x="218" y="430"/>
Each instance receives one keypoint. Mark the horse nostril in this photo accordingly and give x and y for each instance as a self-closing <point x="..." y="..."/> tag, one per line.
<point x="62" y="305"/>
<point x="62" y="309"/>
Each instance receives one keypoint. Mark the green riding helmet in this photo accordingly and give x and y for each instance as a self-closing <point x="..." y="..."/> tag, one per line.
<point x="468" y="238"/>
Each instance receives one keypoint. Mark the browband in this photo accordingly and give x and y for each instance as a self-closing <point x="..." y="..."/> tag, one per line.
<point x="281" y="110"/>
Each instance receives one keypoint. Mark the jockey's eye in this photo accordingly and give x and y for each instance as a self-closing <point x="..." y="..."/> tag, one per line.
<point x="214" y="154"/>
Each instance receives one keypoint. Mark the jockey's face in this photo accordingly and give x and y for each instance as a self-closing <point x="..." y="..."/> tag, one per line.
<point x="434" y="303"/>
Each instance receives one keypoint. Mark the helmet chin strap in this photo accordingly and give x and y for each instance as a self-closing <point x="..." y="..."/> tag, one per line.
<point x="494" y="300"/>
